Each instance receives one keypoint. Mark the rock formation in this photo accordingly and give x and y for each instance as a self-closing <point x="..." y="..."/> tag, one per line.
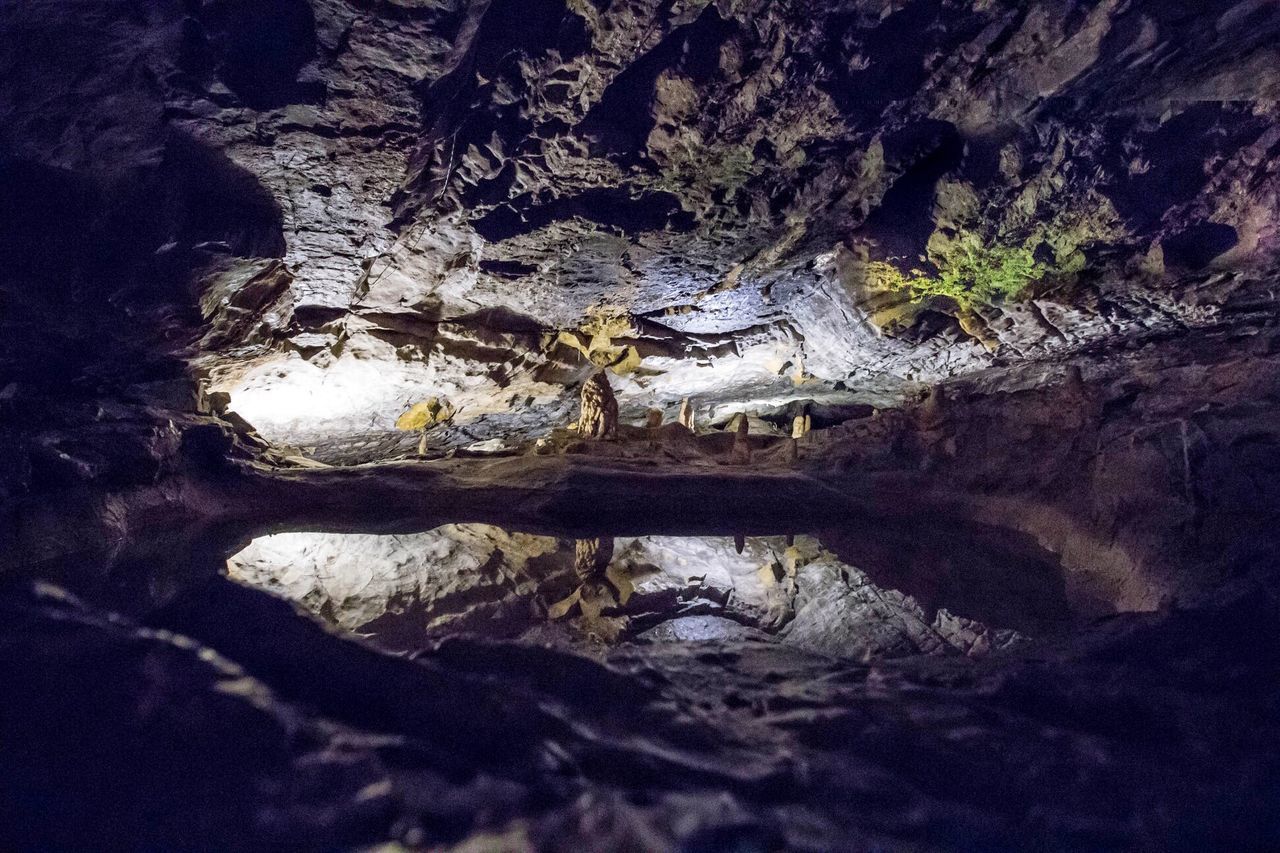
<point x="311" y="286"/>
<point x="598" y="414"/>
<point x="686" y="415"/>
<point x="740" y="453"/>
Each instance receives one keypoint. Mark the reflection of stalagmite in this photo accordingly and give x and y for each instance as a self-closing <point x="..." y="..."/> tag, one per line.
<point x="597" y="590"/>
<point x="739" y="542"/>
<point x="591" y="557"/>
<point x="686" y="414"/>
<point x="599" y="415"/>
<point x="741" y="452"/>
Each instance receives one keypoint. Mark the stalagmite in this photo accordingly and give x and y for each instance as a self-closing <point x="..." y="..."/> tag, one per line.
<point x="599" y="415"/>
<point x="653" y="425"/>
<point x="798" y="426"/>
<point x="741" y="452"/>
<point x="423" y="416"/>
<point x="931" y="409"/>
<point x="686" y="414"/>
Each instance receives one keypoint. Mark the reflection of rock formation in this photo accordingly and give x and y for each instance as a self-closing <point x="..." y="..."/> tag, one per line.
<point x="599" y="415"/>
<point x="591" y="557"/>
<point x="404" y="590"/>
<point x="601" y="585"/>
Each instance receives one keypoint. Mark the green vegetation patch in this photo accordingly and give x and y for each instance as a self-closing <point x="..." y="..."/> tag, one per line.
<point x="970" y="274"/>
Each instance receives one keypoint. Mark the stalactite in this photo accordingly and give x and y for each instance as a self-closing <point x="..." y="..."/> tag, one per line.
<point x="931" y="409"/>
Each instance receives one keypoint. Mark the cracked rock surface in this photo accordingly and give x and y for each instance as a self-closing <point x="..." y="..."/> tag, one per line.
<point x="381" y="202"/>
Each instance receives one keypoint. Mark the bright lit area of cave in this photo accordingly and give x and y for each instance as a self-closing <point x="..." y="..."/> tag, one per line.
<point x="404" y="591"/>
<point x="705" y="426"/>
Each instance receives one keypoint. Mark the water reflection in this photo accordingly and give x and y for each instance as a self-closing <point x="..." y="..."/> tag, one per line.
<point x="403" y="591"/>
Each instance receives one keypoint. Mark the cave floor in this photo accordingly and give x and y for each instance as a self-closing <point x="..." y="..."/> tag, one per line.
<point x="1042" y="618"/>
<point x="1142" y="731"/>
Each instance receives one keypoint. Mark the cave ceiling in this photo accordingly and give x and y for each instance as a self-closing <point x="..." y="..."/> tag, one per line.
<point x="743" y="203"/>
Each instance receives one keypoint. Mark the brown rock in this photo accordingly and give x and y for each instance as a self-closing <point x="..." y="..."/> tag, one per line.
<point x="599" y="416"/>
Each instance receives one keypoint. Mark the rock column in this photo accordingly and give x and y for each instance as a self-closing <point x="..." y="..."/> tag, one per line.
<point x="686" y="414"/>
<point x="599" y="415"/>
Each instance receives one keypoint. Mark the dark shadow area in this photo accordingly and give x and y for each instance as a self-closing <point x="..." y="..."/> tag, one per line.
<point x="900" y="226"/>
<point x="260" y="48"/>
<point x="619" y="124"/>
<point x="613" y="207"/>
<point x="1197" y="246"/>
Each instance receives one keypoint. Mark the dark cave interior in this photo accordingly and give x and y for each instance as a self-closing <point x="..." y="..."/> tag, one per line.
<point x="693" y="425"/>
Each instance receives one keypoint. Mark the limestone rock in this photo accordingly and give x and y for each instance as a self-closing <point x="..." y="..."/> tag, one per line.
<point x="598" y="415"/>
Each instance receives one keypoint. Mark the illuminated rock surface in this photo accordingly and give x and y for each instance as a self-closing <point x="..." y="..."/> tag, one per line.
<point x="939" y="510"/>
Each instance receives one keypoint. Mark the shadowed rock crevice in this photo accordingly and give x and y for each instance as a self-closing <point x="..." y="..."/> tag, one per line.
<point x="620" y="123"/>
<point x="611" y="208"/>
<point x="257" y="50"/>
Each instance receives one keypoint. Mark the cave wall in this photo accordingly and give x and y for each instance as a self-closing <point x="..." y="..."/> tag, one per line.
<point x="723" y="173"/>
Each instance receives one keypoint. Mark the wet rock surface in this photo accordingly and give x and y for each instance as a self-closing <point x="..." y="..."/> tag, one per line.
<point x="1147" y="732"/>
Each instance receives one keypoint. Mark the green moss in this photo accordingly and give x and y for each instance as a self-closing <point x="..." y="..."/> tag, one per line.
<point x="970" y="274"/>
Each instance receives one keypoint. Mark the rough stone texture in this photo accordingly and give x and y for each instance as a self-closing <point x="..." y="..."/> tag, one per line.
<point x="597" y="408"/>
<point x="238" y="241"/>
<point x="381" y="199"/>
<point x="1148" y="732"/>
